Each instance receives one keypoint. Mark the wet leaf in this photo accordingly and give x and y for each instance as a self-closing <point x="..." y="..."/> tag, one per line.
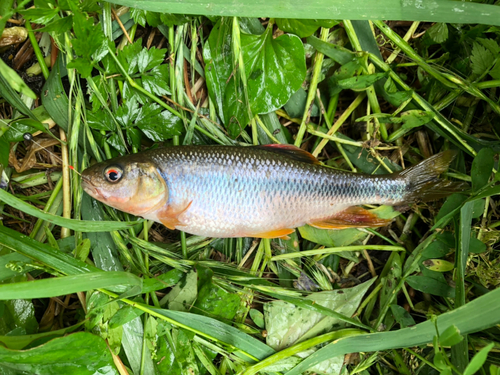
<point x="182" y="296"/>
<point x="287" y="324"/>
<point x="156" y="124"/>
<point x="216" y="302"/>
<point x="100" y="120"/>
<point x="77" y="354"/>
<point x="18" y="315"/>
<point x="274" y="68"/>
<point x="303" y="28"/>
<point x="430" y="285"/>
<point x="126" y="314"/>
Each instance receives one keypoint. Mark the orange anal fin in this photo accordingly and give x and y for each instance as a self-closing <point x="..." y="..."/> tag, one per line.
<point x="352" y="217"/>
<point x="280" y="233"/>
<point x="170" y="217"/>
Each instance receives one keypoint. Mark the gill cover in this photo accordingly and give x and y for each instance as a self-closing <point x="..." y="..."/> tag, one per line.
<point x="135" y="187"/>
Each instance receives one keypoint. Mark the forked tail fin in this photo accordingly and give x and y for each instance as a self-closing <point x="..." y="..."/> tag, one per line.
<point x="423" y="179"/>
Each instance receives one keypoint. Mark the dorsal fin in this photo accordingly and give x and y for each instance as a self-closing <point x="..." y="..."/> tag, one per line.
<point x="292" y="152"/>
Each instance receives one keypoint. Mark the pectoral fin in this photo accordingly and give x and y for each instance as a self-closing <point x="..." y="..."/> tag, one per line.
<point x="280" y="233"/>
<point x="352" y="217"/>
<point x="170" y="217"/>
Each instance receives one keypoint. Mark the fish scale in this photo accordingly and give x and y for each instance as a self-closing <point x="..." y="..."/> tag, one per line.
<point x="259" y="191"/>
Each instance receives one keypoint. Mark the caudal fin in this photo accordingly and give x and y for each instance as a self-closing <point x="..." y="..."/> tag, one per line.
<point x="423" y="179"/>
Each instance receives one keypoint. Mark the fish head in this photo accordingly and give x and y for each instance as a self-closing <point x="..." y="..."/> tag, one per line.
<point x="134" y="187"/>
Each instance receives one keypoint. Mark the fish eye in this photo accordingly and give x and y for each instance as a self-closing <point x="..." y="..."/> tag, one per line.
<point x="113" y="174"/>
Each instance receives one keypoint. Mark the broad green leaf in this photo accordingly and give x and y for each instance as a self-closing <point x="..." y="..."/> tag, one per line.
<point x="476" y="246"/>
<point x="41" y="13"/>
<point x="431" y="286"/>
<point x="296" y="105"/>
<point x="77" y="354"/>
<point x="475" y="316"/>
<point x="481" y="59"/>
<point x="274" y="69"/>
<point x="17" y="317"/>
<point x="257" y="317"/>
<point x="450" y="206"/>
<point x="216" y="302"/>
<point x="438" y="32"/>
<point x="182" y="296"/>
<point x="303" y="28"/>
<point x="156" y="80"/>
<point x="184" y="351"/>
<point x="331" y="238"/>
<point x="30" y="341"/>
<point x="478" y="360"/>
<point x="100" y="120"/>
<point x="451" y="336"/>
<point x="126" y="314"/>
<point x="287" y="324"/>
<point x="156" y="124"/>
<point x="481" y="168"/>
<point x="402" y="316"/>
<point x="490" y="44"/>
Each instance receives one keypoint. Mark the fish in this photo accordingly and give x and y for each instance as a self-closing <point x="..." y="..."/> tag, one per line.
<point x="256" y="191"/>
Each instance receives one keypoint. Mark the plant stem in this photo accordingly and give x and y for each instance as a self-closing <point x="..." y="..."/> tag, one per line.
<point x="313" y="85"/>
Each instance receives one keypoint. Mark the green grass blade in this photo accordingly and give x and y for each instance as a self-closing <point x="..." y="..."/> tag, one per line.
<point x="78" y="225"/>
<point x="460" y="352"/>
<point x="221" y="332"/>
<point x="44" y="254"/>
<point x="482" y="313"/>
<point x="58" y="286"/>
<point x="411" y="10"/>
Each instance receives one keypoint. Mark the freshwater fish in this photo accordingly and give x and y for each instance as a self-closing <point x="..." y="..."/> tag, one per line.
<point x="258" y="191"/>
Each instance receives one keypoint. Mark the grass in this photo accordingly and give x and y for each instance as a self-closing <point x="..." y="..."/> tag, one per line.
<point x="86" y="289"/>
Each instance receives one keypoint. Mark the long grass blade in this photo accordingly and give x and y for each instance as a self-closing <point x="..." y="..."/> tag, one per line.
<point x="410" y="10"/>
<point x="78" y="225"/>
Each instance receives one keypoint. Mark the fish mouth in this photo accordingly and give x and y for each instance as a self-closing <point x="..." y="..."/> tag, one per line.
<point x="90" y="188"/>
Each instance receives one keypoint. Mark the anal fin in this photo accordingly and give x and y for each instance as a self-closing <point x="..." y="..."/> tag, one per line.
<point x="352" y="217"/>
<point x="280" y="233"/>
<point x="170" y="217"/>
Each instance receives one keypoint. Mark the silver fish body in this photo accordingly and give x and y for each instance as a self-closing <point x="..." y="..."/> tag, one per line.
<point x="264" y="191"/>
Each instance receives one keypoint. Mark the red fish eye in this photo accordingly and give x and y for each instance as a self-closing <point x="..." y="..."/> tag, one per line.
<point x="113" y="174"/>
